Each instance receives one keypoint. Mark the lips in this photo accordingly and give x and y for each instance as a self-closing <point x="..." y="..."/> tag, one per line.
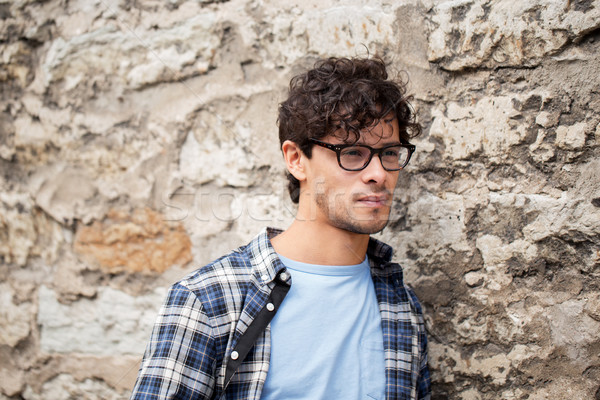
<point x="374" y="200"/>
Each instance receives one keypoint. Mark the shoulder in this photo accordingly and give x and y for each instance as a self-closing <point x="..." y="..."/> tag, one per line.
<point x="225" y="281"/>
<point x="233" y="270"/>
<point x="211" y="295"/>
<point x="381" y="265"/>
<point x="234" y="266"/>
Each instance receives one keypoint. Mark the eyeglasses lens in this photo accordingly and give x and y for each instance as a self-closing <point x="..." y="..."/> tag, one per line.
<point x="356" y="157"/>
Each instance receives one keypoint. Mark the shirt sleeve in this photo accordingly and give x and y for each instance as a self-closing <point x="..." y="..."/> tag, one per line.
<point x="179" y="361"/>
<point x="424" y="380"/>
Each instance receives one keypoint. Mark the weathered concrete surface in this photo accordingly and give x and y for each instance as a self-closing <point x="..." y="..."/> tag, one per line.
<point x="474" y="34"/>
<point x="138" y="140"/>
<point x="112" y="323"/>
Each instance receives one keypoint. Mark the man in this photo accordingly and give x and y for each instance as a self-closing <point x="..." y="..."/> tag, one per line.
<point x="318" y="311"/>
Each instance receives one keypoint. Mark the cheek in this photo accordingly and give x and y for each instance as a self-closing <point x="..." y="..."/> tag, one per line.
<point x="344" y="186"/>
<point x="393" y="180"/>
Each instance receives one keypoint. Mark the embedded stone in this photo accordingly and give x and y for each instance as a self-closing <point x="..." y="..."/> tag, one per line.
<point x="11" y="380"/>
<point x="547" y="119"/>
<point x="141" y="242"/>
<point x="571" y="137"/>
<point x="474" y="278"/>
<point x="15" y="321"/>
<point x="484" y="127"/>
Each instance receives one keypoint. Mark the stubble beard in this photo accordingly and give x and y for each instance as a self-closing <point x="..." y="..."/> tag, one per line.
<point x="340" y="216"/>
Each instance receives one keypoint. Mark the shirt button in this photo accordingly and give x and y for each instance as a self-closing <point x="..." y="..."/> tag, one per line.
<point x="283" y="276"/>
<point x="270" y="307"/>
<point x="234" y="355"/>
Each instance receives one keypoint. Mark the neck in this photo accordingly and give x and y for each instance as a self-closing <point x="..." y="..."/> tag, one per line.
<point x="314" y="243"/>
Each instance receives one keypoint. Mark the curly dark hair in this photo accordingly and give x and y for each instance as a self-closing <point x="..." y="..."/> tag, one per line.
<point x="342" y="94"/>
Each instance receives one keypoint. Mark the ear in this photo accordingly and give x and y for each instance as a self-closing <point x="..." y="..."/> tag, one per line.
<point x="294" y="159"/>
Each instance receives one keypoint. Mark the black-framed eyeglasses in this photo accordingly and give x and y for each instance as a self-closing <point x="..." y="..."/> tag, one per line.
<point x="356" y="157"/>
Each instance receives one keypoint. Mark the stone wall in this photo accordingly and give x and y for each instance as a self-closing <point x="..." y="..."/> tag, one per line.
<point x="138" y="141"/>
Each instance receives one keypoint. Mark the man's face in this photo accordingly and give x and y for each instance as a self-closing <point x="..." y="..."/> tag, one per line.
<point x="355" y="201"/>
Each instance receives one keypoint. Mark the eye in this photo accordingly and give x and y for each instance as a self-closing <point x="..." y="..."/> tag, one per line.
<point x="357" y="152"/>
<point x="391" y="152"/>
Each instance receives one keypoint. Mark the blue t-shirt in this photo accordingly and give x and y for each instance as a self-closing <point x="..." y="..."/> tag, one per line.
<point x="326" y="338"/>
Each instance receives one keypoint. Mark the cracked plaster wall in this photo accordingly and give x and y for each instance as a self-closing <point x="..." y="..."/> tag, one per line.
<point x="138" y="140"/>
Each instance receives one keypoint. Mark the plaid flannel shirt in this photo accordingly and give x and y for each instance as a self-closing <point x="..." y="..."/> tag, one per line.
<point x="212" y="336"/>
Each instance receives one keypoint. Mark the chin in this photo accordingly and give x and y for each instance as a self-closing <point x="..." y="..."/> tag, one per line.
<point x="367" y="224"/>
<point x="364" y="228"/>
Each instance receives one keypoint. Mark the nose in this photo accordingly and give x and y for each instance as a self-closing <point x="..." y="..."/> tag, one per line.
<point x="374" y="172"/>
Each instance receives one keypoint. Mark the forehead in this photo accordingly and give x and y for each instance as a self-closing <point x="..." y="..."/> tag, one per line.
<point x="381" y="131"/>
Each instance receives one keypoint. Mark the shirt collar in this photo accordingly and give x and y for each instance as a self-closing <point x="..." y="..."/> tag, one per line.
<point x="379" y="251"/>
<point x="267" y="265"/>
<point x="264" y="259"/>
